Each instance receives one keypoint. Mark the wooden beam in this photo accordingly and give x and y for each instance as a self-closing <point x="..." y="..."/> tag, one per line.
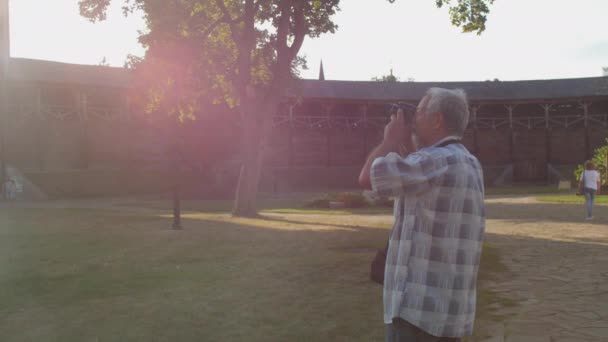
<point x="475" y="138"/>
<point x="84" y="122"/>
<point x="510" y="109"/>
<point x="585" y="106"/>
<point x="327" y="109"/>
<point x="547" y="109"/>
<point x="365" y="128"/>
<point x="128" y="124"/>
<point x="290" y="150"/>
<point x="39" y="119"/>
<point x="328" y="139"/>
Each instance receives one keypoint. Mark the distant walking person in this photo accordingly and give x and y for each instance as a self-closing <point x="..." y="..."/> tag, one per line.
<point x="590" y="185"/>
<point x="10" y="190"/>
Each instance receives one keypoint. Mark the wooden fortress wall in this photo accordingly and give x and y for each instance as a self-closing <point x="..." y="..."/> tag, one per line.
<point x="314" y="144"/>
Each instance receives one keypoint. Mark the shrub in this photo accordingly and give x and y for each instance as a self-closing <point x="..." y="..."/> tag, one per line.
<point x="599" y="159"/>
<point x="318" y="203"/>
<point x="350" y="200"/>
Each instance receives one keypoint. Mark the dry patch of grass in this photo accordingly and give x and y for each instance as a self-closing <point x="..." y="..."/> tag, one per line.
<point x="115" y="275"/>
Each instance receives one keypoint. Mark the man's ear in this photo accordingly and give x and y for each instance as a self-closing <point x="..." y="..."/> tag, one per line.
<point x="437" y="121"/>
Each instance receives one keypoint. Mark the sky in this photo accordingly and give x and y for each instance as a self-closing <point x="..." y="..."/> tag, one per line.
<point x="524" y="39"/>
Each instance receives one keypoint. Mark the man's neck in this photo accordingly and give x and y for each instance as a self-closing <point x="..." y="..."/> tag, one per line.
<point x="439" y="138"/>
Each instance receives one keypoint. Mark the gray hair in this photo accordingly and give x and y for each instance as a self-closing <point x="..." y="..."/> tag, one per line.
<point x="452" y="104"/>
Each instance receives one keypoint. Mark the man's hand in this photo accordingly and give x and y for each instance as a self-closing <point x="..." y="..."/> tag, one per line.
<point x="395" y="131"/>
<point x="396" y="135"/>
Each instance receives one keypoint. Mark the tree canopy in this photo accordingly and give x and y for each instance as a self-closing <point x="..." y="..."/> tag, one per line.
<point x="386" y="78"/>
<point x="241" y="53"/>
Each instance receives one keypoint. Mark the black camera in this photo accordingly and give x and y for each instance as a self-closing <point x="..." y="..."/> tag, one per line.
<point x="409" y="110"/>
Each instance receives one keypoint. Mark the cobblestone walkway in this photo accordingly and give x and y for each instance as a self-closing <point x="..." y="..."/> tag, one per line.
<point x="558" y="271"/>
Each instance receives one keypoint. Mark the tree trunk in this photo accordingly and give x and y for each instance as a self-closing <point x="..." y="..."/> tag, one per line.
<point x="177" y="209"/>
<point x="245" y="204"/>
<point x="253" y="144"/>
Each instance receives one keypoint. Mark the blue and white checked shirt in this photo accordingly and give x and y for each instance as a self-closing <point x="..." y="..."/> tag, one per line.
<point x="435" y="244"/>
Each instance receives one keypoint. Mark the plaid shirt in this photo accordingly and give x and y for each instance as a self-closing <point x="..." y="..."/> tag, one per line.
<point x="435" y="244"/>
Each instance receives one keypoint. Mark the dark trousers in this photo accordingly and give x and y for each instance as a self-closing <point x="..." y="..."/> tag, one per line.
<point x="403" y="331"/>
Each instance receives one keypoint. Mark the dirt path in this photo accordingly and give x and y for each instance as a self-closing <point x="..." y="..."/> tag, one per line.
<point x="558" y="265"/>
<point x="557" y="261"/>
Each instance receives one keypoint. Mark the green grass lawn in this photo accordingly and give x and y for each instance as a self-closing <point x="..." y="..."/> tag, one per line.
<point x="524" y="190"/>
<point x="119" y="275"/>
<point x="571" y="198"/>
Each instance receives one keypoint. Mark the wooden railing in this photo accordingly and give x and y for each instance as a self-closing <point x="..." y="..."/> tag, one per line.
<point x="116" y="114"/>
<point x="519" y="122"/>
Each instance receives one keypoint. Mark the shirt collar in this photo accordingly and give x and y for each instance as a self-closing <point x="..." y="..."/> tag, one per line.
<point x="444" y="139"/>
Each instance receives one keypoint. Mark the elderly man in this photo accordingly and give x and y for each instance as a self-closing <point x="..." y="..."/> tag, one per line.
<point x="435" y="244"/>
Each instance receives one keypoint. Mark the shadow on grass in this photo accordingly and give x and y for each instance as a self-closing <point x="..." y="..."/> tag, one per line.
<point x="538" y="212"/>
<point x="320" y="222"/>
<point x="72" y="275"/>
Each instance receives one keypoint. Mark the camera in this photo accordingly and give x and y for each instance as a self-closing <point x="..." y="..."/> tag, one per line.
<point x="408" y="111"/>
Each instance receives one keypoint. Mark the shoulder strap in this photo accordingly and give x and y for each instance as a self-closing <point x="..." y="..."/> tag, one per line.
<point x="449" y="142"/>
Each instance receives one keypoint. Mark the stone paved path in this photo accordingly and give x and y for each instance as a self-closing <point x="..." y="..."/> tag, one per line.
<point x="558" y="271"/>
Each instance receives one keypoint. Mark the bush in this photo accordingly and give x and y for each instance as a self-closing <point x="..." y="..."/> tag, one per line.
<point x="599" y="159"/>
<point x="318" y="203"/>
<point x="350" y="200"/>
<point x="385" y="202"/>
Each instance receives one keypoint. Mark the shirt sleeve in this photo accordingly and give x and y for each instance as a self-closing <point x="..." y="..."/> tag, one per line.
<point x="393" y="175"/>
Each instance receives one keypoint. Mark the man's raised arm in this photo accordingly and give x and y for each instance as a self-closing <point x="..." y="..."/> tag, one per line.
<point x="396" y="133"/>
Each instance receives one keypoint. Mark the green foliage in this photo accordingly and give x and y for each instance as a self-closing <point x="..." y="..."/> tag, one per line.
<point x="242" y="54"/>
<point x="599" y="159"/>
<point x="350" y="200"/>
<point x="318" y="203"/>
<point x="204" y="53"/>
<point x="522" y="190"/>
<point x="201" y="53"/>
<point x="570" y="199"/>
<point x="470" y="15"/>
<point x="386" y="78"/>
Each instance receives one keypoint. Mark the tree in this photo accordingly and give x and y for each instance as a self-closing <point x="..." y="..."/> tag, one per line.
<point x="104" y="62"/>
<point x="386" y="78"/>
<point x="243" y="53"/>
<point x="600" y="159"/>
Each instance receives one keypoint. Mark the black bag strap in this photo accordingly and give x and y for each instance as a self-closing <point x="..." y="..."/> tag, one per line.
<point x="449" y="142"/>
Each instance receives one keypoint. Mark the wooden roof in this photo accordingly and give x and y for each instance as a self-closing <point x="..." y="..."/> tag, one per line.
<point x="29" y="70"/>
<point x="39" y="71"/>
<point x="477" y="91"/>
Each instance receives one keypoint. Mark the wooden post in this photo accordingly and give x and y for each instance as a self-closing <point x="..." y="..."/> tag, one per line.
<point x="475" y="142"/>
<point x="329" y="132"/>
<point x="290" y="151"/>
<point x="586" y="121"/>
<point x="83" y="116"/>
<point x="177" y="209"/>
<point x="39" y="118"/>
<point x="510" y="108"/>
<point x="547" y="108"/>
<point x="365" y="128"/>
<point x="126" y="109"/>
<point x="328" y="139"/>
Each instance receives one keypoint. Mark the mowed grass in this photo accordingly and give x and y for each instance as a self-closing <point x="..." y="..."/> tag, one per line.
<point x="122" y="275"/>
<point x="571" y="199"/>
